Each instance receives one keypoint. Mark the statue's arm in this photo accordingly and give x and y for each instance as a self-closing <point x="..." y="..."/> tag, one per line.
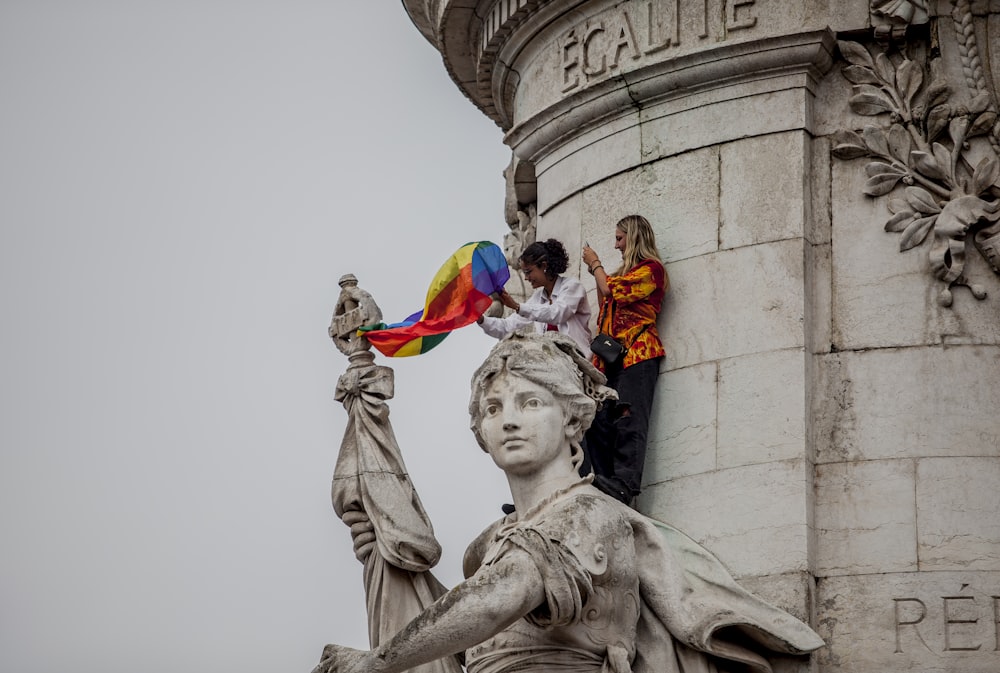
<point x="475" y="610"/>
<point x="476" y="550"/>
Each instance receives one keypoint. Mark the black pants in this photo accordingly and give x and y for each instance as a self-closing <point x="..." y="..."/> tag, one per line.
<point x="615" y="444"/>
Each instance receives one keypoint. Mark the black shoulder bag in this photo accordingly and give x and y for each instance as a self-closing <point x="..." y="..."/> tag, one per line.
<point x="606" y="346"/>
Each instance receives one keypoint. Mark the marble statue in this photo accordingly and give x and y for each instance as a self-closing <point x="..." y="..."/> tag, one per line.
<point x="371" y="490"/>
<point x="574" y="580"/>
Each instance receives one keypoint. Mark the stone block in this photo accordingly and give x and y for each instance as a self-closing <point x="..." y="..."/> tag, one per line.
<point x="958" y="509"/>
<point x="832" y="111"/>
<point x="761" y="408"/>
<point x="736" y="302"/>
<point x="762" y="189"/>
<point x="587" y="161"/>
<point x="842" y="16"/>
<point x="682" y="433"/>
<point x="753" y="518"/>
<point x="563" y="224"/>
<point x="906" y="403"/>
<point x="883" y="297"/>
<point x="865" y="518"/>
<point x="942" y="622"/>
<point x="678" y="195"/>
<point x="792" y="592"/>
<point x="631" y="138"/>
<point x="818" y="208"/>
<point x="818" y="298"/>
<point x="719" y="117"/>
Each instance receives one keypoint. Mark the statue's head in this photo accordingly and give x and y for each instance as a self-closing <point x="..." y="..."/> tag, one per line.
<point x="552" y="361"/>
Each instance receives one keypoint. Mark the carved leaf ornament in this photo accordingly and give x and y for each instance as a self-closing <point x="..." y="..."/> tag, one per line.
<point x="907" y="11"/>
<point x="921" y="159"/>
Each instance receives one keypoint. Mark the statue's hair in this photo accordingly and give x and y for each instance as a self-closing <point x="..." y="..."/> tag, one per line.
<point x="550" y="254"/>
<point x="553" y="361"/>
<point x="640" y="242"/>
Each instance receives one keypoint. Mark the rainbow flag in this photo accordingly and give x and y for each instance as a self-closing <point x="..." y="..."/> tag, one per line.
<point x="458" y="295"/>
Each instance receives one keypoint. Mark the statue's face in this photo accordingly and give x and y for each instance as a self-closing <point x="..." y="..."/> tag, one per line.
<point x="523" y="425"/>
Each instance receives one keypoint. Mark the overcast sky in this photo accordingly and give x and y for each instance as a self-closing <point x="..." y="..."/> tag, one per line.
<point x="182" y="182"/>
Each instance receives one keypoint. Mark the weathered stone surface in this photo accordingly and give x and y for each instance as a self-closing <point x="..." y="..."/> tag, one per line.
<point x="883" y="297"/>
<point x="616" y="42"/>
<point x="761" y="408"/>
<point x="757" y="297"/>
<point x="722" y="116"/>
<point x="497" y="51"/>
<point x="818" y="300"/>
<point x="866" y="521"/>
<point x="812" y="376"/>
<point x="943" y="622"/>
<point x="679" y="197"/>
<point x="907" y="403"/>
<point x="563" y="224"/>
<point x="762" y="209"/>
<point x="886" y="298"/>
<point x="817" y="205"/>
<point x="958" y="507"/>
<point x="791" y="591"/>
<point x="588" y="161"/>
<point x="764" y="531"/>
<point x="663" y="130"/>
<point x="682" y="434"/>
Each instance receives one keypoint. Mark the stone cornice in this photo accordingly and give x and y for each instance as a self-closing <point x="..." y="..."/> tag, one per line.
<point x="480" y="41"/>
<point x="469" y="34"/>
<point x="421" y="13"/>
<point x="724" y="67"/>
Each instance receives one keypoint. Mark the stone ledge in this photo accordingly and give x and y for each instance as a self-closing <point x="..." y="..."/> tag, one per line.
<point x="761" y="528"/>
<point x="874" y="404"/>
<point x="909" y="622"/>
<point x="723" y="68"/>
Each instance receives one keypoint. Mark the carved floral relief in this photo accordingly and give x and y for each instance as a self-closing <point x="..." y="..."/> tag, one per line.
<point x="934" y="151"/>
<point x="905" y="11"/>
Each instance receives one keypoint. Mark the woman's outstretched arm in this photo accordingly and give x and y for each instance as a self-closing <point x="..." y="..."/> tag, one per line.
<point x="472" y="612"/>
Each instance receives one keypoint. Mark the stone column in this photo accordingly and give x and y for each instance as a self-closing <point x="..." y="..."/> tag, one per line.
<point x="827" y="415"/>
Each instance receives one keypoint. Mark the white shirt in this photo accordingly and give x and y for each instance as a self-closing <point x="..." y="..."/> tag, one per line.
<point x="567" y="308"/>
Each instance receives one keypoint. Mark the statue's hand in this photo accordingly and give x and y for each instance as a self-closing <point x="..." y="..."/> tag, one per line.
<point x="362" y="532"/>
<point x="340" y="659"/>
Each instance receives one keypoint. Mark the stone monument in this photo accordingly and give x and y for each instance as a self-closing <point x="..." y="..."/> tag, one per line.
<point x="572" y="580"/>
<point x="371" y="490"/>
<point x="823" y="177"/>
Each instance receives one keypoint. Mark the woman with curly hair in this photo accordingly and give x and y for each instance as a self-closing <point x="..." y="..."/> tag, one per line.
<point x="559" y="303"/>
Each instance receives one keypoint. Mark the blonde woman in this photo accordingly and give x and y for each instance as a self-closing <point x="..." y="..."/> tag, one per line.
<point x="630" y="298"/>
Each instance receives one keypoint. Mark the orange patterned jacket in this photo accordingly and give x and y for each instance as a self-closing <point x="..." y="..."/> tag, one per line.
<point x="635" y="301"/>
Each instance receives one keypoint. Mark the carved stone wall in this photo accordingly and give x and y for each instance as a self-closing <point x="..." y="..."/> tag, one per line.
<point x="826" y="417"/>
